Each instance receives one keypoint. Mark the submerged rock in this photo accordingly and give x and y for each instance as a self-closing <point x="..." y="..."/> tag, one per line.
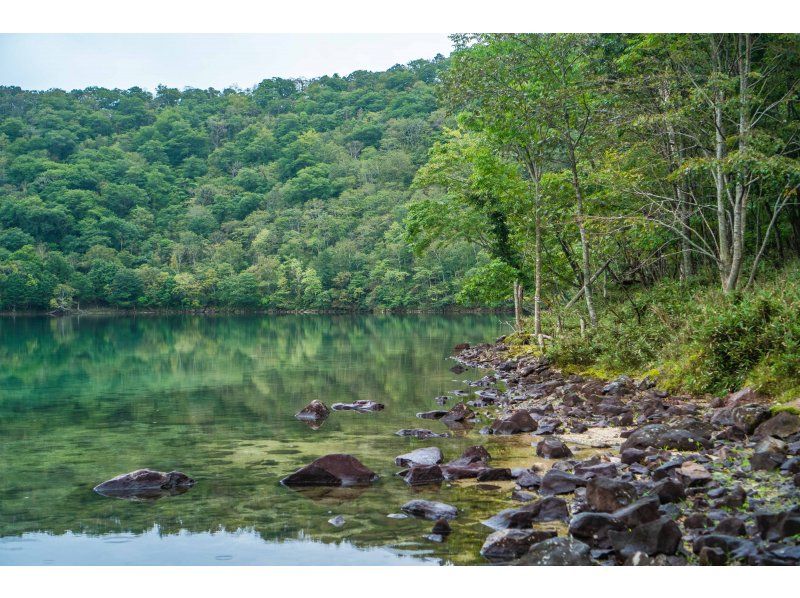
<point x="423" y="474"/>
<point x="337" y="521"/>
<point x="362" y="406"/>
<point x="420" y="433"/>
<point x="332" y="470"/>
<point x="315" y="411"/>
<point x="429" y="509"/>
<point x="422" y="456"/>
<point x="145" y="483"/>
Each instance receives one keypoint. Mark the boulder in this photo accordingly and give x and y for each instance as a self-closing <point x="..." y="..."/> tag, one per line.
<point x="424" y="474"/>
<point x="668" y="491"/>
<point x="593" y="528"/>
<point x="547" y="509"/>
<point x="362" y="406"/>
<point x="663" y="437"/>
<point x="420" y="433"/>
<point x="732" y="546"/>
<point x="559" y="482"/>
<point x="517" y="423"/>
<point x="642" y="511"/>
<point x="332" y="470"/>
<point x="422" y="456"/>
<point x="595" y="470"/>
<point x="632" y="455"/>
<point x="777" y="526"/>
<point x="557" y="552"/>
<point x="428" y="509"/>
<point x="552" y="448"/>
<point x="731" y="526"/>
<point x="696" y="521"/>
<point x="693" y="474"/>
<point x="662" y="536"/>
<point x="529" y="479"/>
<point x="782" y="425"/>
<point x="768" y="454"/>
<point x="145" y="483"/>
<point x="608" y="495"/>
<point x="509" y="544"/>
<point x="315" y="411"/>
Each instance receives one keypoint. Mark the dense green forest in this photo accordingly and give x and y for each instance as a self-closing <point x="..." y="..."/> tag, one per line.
<point x="289" y="195"/>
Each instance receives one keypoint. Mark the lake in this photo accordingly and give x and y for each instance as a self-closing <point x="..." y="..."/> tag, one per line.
<point x="83" y="399"/>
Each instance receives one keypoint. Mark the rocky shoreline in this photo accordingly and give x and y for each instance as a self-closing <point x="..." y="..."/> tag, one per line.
<point x="677" y="480"/>
<point x="618" y="473"/>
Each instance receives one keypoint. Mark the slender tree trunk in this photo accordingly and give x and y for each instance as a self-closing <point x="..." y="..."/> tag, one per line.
<point x="518" y="297"/>
<point x="679" y="188"/>
<point x="586" y="271"/>
<point x="723" y="238"/>
<point x="741" y="191"/>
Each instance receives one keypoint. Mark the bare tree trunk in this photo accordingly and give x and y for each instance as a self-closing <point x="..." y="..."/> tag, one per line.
<point x="719" y="176"/>
<point x="518" y="297"/>
<point x="741" y="191"/>
<point x="537" y="275"/>
<point x="585" y="249"/>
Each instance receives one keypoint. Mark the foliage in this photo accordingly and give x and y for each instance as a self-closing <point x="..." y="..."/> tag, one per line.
<point x="287" y="196"/>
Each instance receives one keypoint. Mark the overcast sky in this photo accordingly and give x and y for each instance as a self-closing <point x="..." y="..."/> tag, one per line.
<point x="73" y="61"/>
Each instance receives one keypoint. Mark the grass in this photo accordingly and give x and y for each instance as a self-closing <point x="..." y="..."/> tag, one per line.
<point x="691" y="337"/>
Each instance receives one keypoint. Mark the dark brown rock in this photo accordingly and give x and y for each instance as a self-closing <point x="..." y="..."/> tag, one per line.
<point x="547" y="509"/>
<point x="782" y="425"/>
<point x="663" y="437"/>
<point x="145" y="483"/>
<point x="458" y="413"/>
<point x="593" y="528"/>
<point x="662" y="536"/>
<point x="517" y="423"/>
<point x="553" y="448"/>
<point x="494" y="474"/>
<point x="559" y="482"/>
<point x="642" y="511"/>
<point x="509" y="544"/>
<point x="424" y="474"/>
<point x="608" y="495"/>
<point x="332" y="470"/>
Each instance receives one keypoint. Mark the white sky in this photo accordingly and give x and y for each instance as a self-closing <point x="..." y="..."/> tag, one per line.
<point x="74" y="61"/>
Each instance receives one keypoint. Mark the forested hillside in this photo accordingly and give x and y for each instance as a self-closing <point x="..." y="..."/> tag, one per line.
<point x="287" y="196"/>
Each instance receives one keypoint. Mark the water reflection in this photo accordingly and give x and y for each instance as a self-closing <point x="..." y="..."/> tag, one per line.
<point x="240" y="547"/>
<point x="85" y="399"/>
